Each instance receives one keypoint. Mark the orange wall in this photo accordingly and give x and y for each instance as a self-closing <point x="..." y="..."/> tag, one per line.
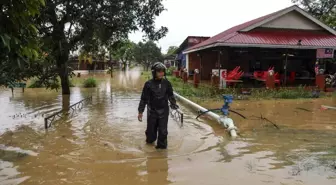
<point x="209" y="61"/>
<point x="194" y="61"/>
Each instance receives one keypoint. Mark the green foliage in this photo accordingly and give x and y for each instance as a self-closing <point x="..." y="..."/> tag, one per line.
<point x="171" y="50"/>
<point x="52" y="84"/>
<point x="92" y="51"/>
<point x="147" y="54"/>
<point x="170" y="70"/>
<point x="94" y="23"/>
<point x="210" y="92"/>
<point x="90" y="82"/>
<point x="333" y="94"/>
<point x="19" y="44"/>
<point x="324" y="10"/>
<point x="123" y="51"/>
<point x="35" y="84"/>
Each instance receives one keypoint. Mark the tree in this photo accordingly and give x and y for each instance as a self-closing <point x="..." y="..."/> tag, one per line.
<point x="123" y="52"/>
<point x="66" y="24"/>
<point x="171" y="50"/>
<point x="147" y="54"/>
<point x="92" y="52"/>
<point x="324" y="10"/>
<point x="19" y="44"/>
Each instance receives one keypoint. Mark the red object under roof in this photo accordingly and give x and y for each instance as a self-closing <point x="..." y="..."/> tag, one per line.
<point x="274" y="37"/>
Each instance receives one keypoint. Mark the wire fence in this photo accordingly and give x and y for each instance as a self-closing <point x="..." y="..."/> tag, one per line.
<point x="70" y="110"/>
<point x="177" y="115"/>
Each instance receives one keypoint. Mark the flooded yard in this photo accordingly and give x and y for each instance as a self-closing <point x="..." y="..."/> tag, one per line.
<point x="104" y="143"/>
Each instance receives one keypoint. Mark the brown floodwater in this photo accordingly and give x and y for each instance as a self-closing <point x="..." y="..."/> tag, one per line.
<point x="103" y="143"/>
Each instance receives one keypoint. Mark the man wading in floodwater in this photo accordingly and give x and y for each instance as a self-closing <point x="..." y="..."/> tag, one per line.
<point x="155" y="94"/>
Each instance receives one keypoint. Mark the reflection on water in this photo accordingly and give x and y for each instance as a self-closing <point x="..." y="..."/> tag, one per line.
<point x="104" y="143"/>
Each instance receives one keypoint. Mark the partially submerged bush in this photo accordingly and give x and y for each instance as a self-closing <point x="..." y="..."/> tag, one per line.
<point x="52" y="84"/>
<point x="71" y="83"/>
<point x="90" y="82"/>
<point x="35" y="83"/>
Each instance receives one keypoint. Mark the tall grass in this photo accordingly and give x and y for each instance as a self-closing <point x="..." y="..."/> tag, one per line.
<point x="210" y="92"/>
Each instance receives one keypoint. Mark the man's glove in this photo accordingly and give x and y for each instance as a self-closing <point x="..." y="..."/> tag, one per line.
<point x="174" y="106"/>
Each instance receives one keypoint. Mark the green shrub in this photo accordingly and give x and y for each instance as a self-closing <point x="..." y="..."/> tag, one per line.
<point x="90" y="82"/>
<point x="170" y="70"/>
<point x="35" y="83"/>
<point x="71" y="83"/>
<point x="52" y="84"/>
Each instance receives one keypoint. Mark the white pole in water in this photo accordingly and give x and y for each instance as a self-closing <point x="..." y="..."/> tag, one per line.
<point x="328" y="107"/>
<point x="223" y="120"/>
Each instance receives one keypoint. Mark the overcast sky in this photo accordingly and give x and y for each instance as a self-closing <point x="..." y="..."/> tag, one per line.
<point x="207" y="17"/>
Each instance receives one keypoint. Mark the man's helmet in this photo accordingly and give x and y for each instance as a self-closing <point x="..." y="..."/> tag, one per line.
<point x="158" y="66"/>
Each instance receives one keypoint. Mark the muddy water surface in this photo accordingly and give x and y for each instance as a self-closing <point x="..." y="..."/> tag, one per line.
<point x="103" y="143"/>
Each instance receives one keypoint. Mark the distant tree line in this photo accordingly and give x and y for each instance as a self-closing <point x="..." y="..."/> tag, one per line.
<point x="37" y="36"/>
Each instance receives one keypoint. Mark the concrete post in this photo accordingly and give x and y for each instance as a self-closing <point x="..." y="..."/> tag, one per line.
<point x="196" y="78"/>
<point x="270" y="80"/>
<point x="215" y="79"/>
<point x="185" y="75"/>
<point x="320" y="81"/>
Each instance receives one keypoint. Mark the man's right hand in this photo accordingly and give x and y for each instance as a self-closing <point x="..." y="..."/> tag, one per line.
<point x="140" y="117"/>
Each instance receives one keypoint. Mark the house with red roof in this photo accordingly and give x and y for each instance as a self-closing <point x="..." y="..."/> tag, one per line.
<point x="190" y="41"/>
<point x="287" y="40"/>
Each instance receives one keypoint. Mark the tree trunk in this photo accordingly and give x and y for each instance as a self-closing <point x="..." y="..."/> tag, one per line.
<point x="111" y="71"/>
<point x="62" y="56"/>
<point x="65" y="102"/>
<point x="63" y="73"/>
<point x="111" y="64"/>
<point x="147" y="66"/>
<point x="124" y="66"/>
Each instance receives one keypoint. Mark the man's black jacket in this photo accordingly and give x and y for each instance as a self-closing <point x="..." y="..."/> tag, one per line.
<point x="155" y="95"/>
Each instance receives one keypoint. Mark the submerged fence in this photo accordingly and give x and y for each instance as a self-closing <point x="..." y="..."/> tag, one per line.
<point x="177" y="114"/>
<point x="72" y="108"/>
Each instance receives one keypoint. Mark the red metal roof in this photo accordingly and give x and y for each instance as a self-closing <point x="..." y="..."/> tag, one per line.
<point x="184" y="44"/>
<point x="283" y="37"/>
<point x="274" y="37"/>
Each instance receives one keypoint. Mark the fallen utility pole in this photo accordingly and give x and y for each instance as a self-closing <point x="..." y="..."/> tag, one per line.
<point x="328" y="107"/>
<point x="223" y="120"/>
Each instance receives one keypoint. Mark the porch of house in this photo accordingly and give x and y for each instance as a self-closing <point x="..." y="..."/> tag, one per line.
<point x="293" y="66"/>
<point x="264" y="43"/>
<point x="95" y="65"/>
